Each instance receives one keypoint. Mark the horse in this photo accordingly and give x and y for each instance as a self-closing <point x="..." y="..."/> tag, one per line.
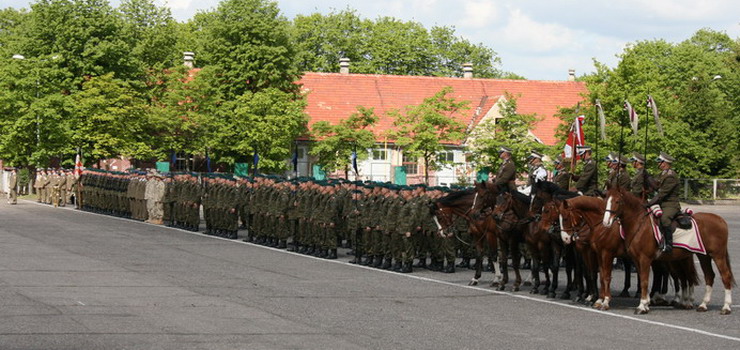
<point x="460" y="204"/>
<point x="545" y="229"/>
<point x="511" y="213"/>
<point x="643" y="248"/>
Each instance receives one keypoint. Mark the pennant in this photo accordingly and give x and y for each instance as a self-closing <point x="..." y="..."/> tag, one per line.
<point x="656" y="115"/>
<point x="602" y="119"/>
<point x="576" y="137"/>
<point x="634" y="119"/>
<point x="78" y="166"/>
<point x="354" y="162"/>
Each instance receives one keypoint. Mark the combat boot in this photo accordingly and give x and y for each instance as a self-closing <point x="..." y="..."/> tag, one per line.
<point x="378" y="261"/>
<point x="450" y="267"/>
<point x="368" y="261"/>
<point x="397" y="266"/>
<point x="667" y="245"/>
<point x="465" y="263"/>
<point x="406" y="267"/>
<point x="435" y="265"/>
<point x="282" y="244"/>
<point x="386" y="264"/>
<point x="332" y="254"/>
<point x="422" y="263"/>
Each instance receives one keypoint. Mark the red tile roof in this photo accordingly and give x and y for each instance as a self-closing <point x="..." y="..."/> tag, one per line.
<point x="333" y="96"/>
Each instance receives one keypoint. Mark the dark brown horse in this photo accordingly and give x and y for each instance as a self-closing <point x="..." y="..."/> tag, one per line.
<point x="643" y="248"/>
<point x="459" y="205"/>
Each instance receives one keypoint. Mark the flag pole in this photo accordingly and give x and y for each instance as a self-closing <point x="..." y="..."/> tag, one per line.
<point x="596" y="136"/>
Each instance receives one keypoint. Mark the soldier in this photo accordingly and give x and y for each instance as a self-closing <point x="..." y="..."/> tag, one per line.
<point x="620" y="177"/>
<point x="638" y="186"/>
<point x="562" y="176"/>
<point x="586" y="181"/>
<point x="667" y="198"/>
<point x="537" y="171"/>
<point x="71" y="183"/>
<point x="506" y="174"/>
<point x="155" y="193"/>
<point x="13" y="186"/>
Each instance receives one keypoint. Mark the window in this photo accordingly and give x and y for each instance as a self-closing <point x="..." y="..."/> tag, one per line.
<point x="380" y="154"/>
<point x="411" y="164"/>
<point x="301" y="153"/>
<point x="446" y="156"/>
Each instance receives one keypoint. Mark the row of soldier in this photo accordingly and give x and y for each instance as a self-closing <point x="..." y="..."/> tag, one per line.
<point x="55" y="186"/>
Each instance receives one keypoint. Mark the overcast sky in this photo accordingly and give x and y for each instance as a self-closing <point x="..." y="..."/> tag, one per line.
<point x="539" y="39"/>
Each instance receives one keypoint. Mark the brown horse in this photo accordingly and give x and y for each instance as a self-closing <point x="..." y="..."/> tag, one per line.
<point x="642" y="247"/>
<point x="460" y="204"/>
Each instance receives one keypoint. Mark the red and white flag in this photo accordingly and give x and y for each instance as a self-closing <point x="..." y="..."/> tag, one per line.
<point x="78" y="166"/>
<point x="634" y="119"/>
<point x="576" y="137"/>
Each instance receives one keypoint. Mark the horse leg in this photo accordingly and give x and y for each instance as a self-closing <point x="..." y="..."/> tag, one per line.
<point x="706" y="267"/>
<point x="570" y="266"/>
<point x="657" y="292"/>
<point x="535" y="271"/>
<point x="627" y="277"/>
<point x="606" y="282"/>
<point x="723" y="265"/>
<point x="516" y="258"/>
<point x="554" y="269"/>
<point x="478" y="268"/>
<point x="643" y="266"/>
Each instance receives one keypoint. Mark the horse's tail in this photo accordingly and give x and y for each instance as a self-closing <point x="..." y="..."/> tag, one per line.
<point x="689" y="273"/>
<point x="729" y="269"/>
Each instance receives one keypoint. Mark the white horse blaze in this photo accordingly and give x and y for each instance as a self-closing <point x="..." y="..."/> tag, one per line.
<point x="563" y="235"/>
<point x="607" y="214"/>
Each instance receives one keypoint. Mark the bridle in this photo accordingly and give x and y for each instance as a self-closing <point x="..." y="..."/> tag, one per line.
<point x="577" y="231"/>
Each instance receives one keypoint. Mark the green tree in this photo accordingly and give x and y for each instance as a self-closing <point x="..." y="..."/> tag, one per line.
<point x="424" y="130"/>
<point x="321" y="40"/>
<point x="109" y="119"/>
<point x="335" y="143"/>
<point x="151" y="33"/>
<point x="267" y="121"/>
<point x="698" y="111"/>
<point x="247" y="43"/>
<point x="512" y="130"/>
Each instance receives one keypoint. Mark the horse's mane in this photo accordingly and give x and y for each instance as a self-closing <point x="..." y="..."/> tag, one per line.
<point x="629" y="198"/>
<point x="453" y="197"/>
<point x="587" y="203"/>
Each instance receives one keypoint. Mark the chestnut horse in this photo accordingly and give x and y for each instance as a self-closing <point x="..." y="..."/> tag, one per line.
<point x="460" y="204"/>
<point x="642" y="247"/>
<point x="584" y="215"/>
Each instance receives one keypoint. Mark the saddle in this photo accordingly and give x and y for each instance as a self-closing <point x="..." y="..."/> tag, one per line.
<point x="682" y="220"/>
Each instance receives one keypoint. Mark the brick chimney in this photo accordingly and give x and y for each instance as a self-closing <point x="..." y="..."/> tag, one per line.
<point x="188" y="58"/>
<point x="344" y="66"/>
<point x="571" y="74"/>
<point x="467" y="70"/>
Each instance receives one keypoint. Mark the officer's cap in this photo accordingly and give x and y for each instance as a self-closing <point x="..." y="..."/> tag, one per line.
<point x="637" y="157"/>
<point x="503" y="149"/>
<point x="663" y="157"/>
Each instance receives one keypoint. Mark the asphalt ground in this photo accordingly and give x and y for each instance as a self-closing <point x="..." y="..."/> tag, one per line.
<point x="77" y="280"/>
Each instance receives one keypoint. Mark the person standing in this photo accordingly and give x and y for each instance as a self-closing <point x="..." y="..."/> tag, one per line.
<point x="586" y="181"/>
<point x="13" y="186"/>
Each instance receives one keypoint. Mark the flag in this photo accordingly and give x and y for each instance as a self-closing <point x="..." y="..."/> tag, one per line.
<point x="256" y="161"/>
<point x="602" y="119"/>
<point x="78" y="166"/>
<point x="354" y="162"/>
<point x="295" y="159"/>
<point x="208" y="162"/>
<point x="576" y="137"/>
<point x="656" y="115"/>
<point x="634" y="119"/>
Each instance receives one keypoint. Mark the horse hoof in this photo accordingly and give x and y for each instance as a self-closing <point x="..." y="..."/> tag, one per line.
<point x="624" y="294"/>
<point x="725" y="312"/>
<point x="640" y="312"/>
<point x="687" y="306"/>
<point x="534" y="291"/>
<point x="551" y="295"/>
<point x="604" y="308"/>
<point x="515" y="289"/>
<point x="597" y="306"/>
<point x="565" y="296"/>
<point x="473" y="283"/>
<point x="701" y="308"/>
<point x="527" y="283"/>
<point x="501" y="287"/>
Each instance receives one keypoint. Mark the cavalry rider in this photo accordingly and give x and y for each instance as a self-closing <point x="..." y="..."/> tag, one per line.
<point x="637" y="185"/>
<point x="506" y="172"/>
<point x="587" y="180"/>
<point x="618" y="177"/>
<point x="537" y="171"/>
<point x="667" y="198"/>
<point x="562" y="176"/>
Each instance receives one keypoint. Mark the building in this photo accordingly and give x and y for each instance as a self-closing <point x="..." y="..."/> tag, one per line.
<point x="335" y="96"/>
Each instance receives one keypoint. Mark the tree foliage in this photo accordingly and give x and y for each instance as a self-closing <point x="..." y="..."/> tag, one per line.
<point x="335" y="143"/>
<point x="699" y="110"/>
<point x="423" y="130"/>
<point x="512" y="130"/>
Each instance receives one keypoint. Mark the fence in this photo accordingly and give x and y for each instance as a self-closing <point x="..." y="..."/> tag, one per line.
<point x="714" y="189"/>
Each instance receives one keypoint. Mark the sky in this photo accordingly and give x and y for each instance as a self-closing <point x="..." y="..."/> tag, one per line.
<point x="538" y="39"/>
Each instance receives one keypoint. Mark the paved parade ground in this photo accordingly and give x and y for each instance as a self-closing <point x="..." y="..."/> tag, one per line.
<point x="76" y="280"/>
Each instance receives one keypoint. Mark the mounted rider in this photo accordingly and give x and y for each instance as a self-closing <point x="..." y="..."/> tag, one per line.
<point x="537" y="171"/>
<point x="618" y="174"/>
<point x="667" y="198"/>
<point x="506" y="172"/>
<point x="562" y="176"/>
<point x="641" y="178"/>
<point x="586" y="181"/>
